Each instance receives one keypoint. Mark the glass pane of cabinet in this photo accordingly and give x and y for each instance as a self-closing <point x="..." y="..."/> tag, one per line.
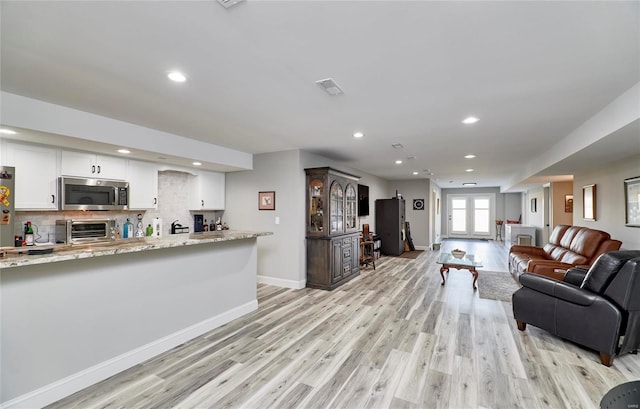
<point x="316" y="210"/>
<point x="337" y="206"/>
<point x="350" y="201"/>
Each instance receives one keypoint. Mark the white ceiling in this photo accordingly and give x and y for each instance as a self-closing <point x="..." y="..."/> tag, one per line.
<point x="411" y="71"/>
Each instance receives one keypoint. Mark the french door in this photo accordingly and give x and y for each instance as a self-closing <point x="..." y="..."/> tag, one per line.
<point x="470" y="215"/>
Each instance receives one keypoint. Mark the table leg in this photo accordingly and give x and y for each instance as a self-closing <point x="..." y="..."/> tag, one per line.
<point x="475" y="277"/>
<point x="442" y="270"/>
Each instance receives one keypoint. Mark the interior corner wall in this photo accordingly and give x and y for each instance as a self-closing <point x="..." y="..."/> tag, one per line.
<point x="534" y="214"/>
<point x="282" y="256"/>
<point x="435" y="209"/>
<point x="610" y="200"/>
<point x="559" y="213"/>
<point x="418" y="219"/>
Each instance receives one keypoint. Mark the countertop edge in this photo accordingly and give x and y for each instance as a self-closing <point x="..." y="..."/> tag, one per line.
<point x="124" y="246"/>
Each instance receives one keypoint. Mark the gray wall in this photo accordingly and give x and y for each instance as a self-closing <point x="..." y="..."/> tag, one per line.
<point x="507" y="204"/>
<point x="610" y="207"/>
<point x="419" y="219"/>
<point x="282" y="257"/>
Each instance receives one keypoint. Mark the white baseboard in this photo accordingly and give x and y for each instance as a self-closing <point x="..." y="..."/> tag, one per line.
<point x="87" y="377"/>
<point x="281" y="282"/>
<point x="422" y="247"/>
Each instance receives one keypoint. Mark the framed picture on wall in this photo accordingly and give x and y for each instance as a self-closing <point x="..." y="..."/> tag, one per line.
<point x="266" y="200"/>
<point x="589" y="202"/>
<point x="568" y="203"/>
<point x="632" y="202"/>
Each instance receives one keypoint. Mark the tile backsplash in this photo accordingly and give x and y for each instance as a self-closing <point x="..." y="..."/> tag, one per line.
<point x="173" y="204"/>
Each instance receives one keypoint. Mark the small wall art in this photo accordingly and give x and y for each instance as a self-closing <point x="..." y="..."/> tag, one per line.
<point x="632" y="201"/>
<point x="534" y="205"/>
<point x="266" y="200"/>
<point x="589" y="202"/>
<point x="568" y="203"/>
<point x="418" y="204"/>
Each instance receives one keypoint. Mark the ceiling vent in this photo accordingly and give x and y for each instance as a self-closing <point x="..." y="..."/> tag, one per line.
<point x="229" y="3"/>
<point x="330" y="86"/>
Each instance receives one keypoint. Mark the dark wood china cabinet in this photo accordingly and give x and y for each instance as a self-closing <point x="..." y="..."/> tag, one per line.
<point x="332" y="228"/>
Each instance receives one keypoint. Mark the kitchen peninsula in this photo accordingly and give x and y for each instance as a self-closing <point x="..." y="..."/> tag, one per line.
<point x="83" y="313"/>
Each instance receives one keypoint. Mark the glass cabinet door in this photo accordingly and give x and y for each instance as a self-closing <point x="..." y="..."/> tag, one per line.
<point x="350" y="200"/>
<point x="316" y="207"/>
<point x="337" y="207"/>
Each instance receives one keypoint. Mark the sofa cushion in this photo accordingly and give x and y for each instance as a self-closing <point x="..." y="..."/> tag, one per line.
<point x="557" y="234"/>
<point x="568" y="236"/>
<point x="605" y="269"/>
<point x="575" y="259"/>
<point x="587" y="241"/>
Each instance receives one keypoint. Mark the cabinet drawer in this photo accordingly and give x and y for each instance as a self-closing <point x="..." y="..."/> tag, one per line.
<point x="346" y="252"/>
<point x="346" y="242"/>
<point x="346" y="268"/>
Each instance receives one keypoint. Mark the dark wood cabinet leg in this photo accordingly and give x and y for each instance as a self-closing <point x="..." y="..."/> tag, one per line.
<point x="521" y="325"/>
<point x="606" y="359"/>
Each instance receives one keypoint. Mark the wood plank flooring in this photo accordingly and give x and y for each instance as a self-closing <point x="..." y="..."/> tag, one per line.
<point x="392" y="338"/>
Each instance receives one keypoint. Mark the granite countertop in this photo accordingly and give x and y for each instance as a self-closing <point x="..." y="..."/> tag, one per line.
<point x="63" y="252"/>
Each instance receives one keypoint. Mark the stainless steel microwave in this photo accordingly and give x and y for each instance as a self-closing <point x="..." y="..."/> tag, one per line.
<point x="77" y="231"/>
<point x="92" y="194"/>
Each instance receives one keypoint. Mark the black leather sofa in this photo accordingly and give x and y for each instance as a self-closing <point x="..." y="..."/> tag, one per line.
<point x="595" y="308"/>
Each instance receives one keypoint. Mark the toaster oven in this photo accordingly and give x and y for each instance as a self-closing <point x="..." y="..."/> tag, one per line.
<point x="77" y="231"/>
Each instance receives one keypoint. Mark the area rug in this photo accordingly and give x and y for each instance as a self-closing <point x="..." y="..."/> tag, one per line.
<point x="411" y="254"/>
<point x="496" y="285"/>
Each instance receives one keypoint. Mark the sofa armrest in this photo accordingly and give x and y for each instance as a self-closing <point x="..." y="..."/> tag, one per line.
<point x="550" y="268"/>
<point x="534" y="250"/>
<point x="575" y="275"/>
<point x="558" y="289"/>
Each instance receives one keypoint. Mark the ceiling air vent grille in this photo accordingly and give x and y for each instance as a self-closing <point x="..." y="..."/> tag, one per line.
<point x="229" y="3"/>
<point x="330" y="86"/>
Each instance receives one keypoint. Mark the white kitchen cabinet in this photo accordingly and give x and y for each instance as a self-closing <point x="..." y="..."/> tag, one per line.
<point x="143" y="184"/>
<point x="207" y="191"/>
<point x="84" y="164"/>
<point x="36" y="166"/>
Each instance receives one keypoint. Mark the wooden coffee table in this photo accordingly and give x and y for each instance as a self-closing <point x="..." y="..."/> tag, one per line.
<point x="468" y="262"/>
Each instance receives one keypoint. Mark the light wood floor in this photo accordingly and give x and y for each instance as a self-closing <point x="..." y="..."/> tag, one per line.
<point x="392" y="338"/>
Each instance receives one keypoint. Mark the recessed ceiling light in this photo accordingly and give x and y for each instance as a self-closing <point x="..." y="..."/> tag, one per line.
<point x="468" y="170"/>
<point x="470" y="120"/>
<point x="415" y="173"/>
<point x="197" y="163"/>
<point x="469" y="156"/>
<point x="469" y="184"/>
<point x="8" y="131"/>
<point x="125" y="151"/>
<point x="398" y="162"/>
<point x="397" y="146"/>
<point x="411" y="157"/>
<point x="358" y="135"/>
<point x="176" y="76"/>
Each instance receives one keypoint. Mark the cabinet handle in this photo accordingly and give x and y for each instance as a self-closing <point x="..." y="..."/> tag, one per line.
<point x="93" y="168"/>
<point x="98" y="168"/>
<point x="53" y="198"/>
<point x="202" y="203"/>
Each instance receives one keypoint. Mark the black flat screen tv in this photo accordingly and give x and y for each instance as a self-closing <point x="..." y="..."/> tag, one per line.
<point x="363" y="200"/>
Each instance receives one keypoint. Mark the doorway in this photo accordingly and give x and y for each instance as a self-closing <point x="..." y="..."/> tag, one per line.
<point x="470" y="215"/>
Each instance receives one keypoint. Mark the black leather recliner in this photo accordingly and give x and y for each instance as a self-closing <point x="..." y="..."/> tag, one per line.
<point x="595" y="308"/>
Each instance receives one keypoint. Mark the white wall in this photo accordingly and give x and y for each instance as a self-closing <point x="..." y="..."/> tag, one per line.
<point x="281" y="257"/>
<point x="418" y="219"/>
<point x="610" y="208"/>
<point x="536" y="218"/>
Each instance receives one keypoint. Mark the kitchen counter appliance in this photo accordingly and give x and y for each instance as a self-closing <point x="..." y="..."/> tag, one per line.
<point x="92" y="194"/>
<point x="78" y="231"/>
